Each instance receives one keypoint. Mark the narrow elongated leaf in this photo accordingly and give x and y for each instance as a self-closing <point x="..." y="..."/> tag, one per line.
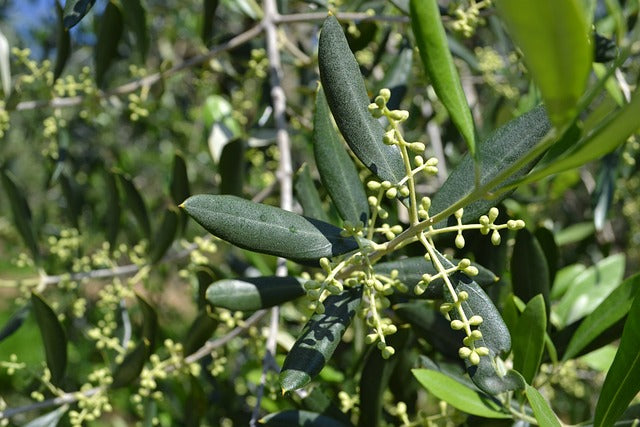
<point x="411" y="270"/>
<point x="564" y="278"/>
<point x="208" y="14"/>
<point x="232" y="168"/>
<point x="111" y="25"/>
<point x="267" y="229"/>
<point x="337" y="172"/>
<point x="21" y="213"/>
<point x="610" y="134"/>
<point x="547" y="242"/>
<point x="53" y="338"/>
<point x="50" y="419"/>
<point x="165" y="234"/>
<point x="438" y="63"/>
<point x="63" y="43"/>
<point x="529" y="269"/>
<point x="135" y="19"/>
<point x="136" y="204"/>
<point x="129" y="370"/>
<point x="15" y="322"/>
<point x="528" y="339"/>
<point x="500" y="150"/>
<point x="347" y="97"/>
<point x="307" y="194"/>
<point x="254" y="293"/>
<point x="73" y="197"/>
<point x="555" y="40"/>
<point x="199" y="332"/>
<point x="149" y="322"/>
<point x="610" y="311"/>
<point x="319" y="339"/>
<point x="179" y="185"/>
<point x="589" y="289"/>
<point x="458" y="395"/>
<point x="112" y="214"/>
<point x="75" y="10"/>
<point x="293" y="418"/>
<point x="541" y="409"/>
<point x="623" y="379"/>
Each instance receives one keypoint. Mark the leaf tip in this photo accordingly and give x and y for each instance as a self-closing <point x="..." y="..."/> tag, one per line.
<point x="292" y="379"/>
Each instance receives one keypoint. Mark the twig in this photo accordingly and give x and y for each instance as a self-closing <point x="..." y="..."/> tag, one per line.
<point x="347" y="16"/>
<point x="56" y="401"/>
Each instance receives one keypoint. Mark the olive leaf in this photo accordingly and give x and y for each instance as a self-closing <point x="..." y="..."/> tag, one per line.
<point x="254" y="293"/>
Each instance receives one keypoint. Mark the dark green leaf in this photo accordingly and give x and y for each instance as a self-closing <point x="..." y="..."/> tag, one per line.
<point x="50" y="419"/>
<point x="565" y="277"/>
<point x="348" y="100"/>
<point x="375" y="377"/>
<point x="21" y="213"/>
<point x="547" y="242"/>
<point x="232" y="167"/>
<point x="53" y="338"/>
<point x="458" y="395"/>
<point x="528" y="339"/>
<point x="605" y="50"/>
<point x="319" y="339"/>
<point x="205" y="276"/>
<point x="15" y="322"/>
<point x="165" y="234"/>
<point x="589" y="289"/>
<point x="63" y="43"/>
<point x="529" y="270"/>
<point x="73" y="197"/>
<point x="109" y="34"/>
<point x="75" y="10"/>
<point x="438" y="63"/>
<point x="622" y="383"/>
<point x="609" y="312"/>
<point x="292" y="418"/>
<point x="503" y="148"/>
<point x="541" y="409"/>
<point x="179" y="185"/>
<point x="555" y="40"/>
<point x="129" y="370"/>
<point x="307" y="194"/>
<point x="267" y="229"/>
<point x="136" y="204"/>
<point x="208" y="14"/>
<point x="254" y="293"/>
<point x="337" y="171"/>
<point x="199" y="332"/>
<point x="149" y="322"/>
<point x="135" y="19"/>
<point x="112" y="214"/>
<point x="410" y="271"/>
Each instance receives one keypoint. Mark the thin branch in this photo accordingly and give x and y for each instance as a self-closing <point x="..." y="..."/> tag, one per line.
<point x="346" y="16"/>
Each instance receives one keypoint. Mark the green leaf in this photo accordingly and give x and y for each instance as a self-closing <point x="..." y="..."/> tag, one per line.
<point x="575" y="233"/>
<point x="136" y="204"/>
<point x="608" y="313"/>
<point x="232" y="168"/>
<point x="15" y="322"/>
<point x="564" y="278"/>
<point x="135" y="19"/>
<point x="547" y="242"/>
<point x="75" y="10"/>
<point x="502" y="149"/>
<point x="438" y="63"/>
<point x="217" y="113"/>
<point x="541" y="409"/>
<point x="589" y="289"/>
<point x="293" y="417"/>
<point x="53" y="338"/>
<point x="132" y="364"/>
<point x="179" y="185"/>
<point x="307" y="194"/>
<point x="319" y="339"/>
<point x="267" y="229"/>
<point x="623" y="380"/>
<point x="109" y="34"/>
<point x="63" y="43"/>
<point x="50" y="419"/>
<point x="254" y="293"/>
<point x="529" y="269"/>
<point x="410" y="271"/>
<point x="458" y="395"/>
<point x="337" y="171"/>
<point x="555" y="40"/>
<point x="21" y="212"/>
<point x="347" y="97"/>
<point x="528" y="339"/>
<point x="73" y="198"/>
<point x="208" y="15"/>
<point x="149" y="322"/>
<point x="611" y="133"/>
<point x="165" y="235"/>
<point x="112" y="214"/>
<point x="375" y="377"/>
<point x="199" y="332"/>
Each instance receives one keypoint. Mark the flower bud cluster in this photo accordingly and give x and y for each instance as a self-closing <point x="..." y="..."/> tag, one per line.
<point x="469" y="351"/>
